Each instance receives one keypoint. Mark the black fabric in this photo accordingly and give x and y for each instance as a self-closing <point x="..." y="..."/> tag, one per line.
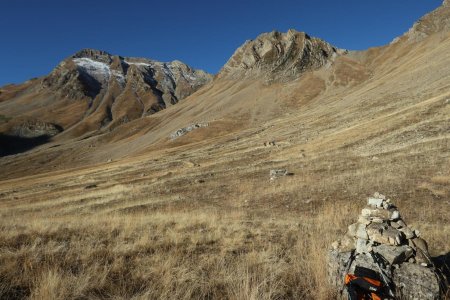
<point x="352" y="294"/>
<point x="363" y="285"/>
<point x="364" y="272"/>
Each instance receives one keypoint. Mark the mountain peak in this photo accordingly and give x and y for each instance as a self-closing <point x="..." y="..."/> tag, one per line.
<point x="279" y="56"/>
<point x="119" y="89"/>
<point x="98" y="55"/>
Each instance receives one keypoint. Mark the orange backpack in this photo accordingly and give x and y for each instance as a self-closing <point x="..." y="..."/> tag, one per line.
<point x="364" y="284"/>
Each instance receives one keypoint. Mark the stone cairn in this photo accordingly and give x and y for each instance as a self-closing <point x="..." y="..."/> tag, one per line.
<point x="404" y="260"/>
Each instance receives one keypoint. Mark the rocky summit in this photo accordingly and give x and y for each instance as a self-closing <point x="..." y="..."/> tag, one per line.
<point x="91" y="71"/>
<point x="133" y="87"/>
<point x="279" y="56"/>
<point x="381" y="241"/>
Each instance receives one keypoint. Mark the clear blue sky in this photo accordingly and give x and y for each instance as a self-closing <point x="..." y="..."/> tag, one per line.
<point x="36" y="35"/>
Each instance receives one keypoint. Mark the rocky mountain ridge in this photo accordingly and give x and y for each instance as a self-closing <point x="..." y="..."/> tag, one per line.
<point x="436" y="21"/>
<point x="279" y="56"/>
<point x="95" y="70"/>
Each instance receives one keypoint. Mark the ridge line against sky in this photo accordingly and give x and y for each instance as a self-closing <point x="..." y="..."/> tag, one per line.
<point x="37" y="35"/>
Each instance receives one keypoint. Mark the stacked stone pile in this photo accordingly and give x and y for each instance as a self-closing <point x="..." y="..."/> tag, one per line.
<point x="404" y="259"/>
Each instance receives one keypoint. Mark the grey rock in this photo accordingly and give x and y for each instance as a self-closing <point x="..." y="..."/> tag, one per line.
<point x="375" y="202"/>
<point x="363" y="220"/>
<point x="276" y="173"/>
<point x="414" y="281"/>
<point x="394" y="254"/>
<point x="395" y="225"/>
<point x="361" y="232"/>
<point x="376" y="213"/>
<point x="362" y="246"/>
<point x="377" y="220"/>
<point x="376" y="231"/>
<point x="337" y="267"/>
<point x="401" y="223"/>
<point x="409" y="234"/>
<point x="379" y="196"/>
<point x="347" y="243"/>
<point x="395" y="215"/>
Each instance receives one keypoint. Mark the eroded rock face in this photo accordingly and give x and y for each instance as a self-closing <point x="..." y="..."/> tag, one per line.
<point x="279" y="56"/>
<point x="381" y="241"/>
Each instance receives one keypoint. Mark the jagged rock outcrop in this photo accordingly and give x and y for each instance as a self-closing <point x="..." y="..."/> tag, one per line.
<point x="381" y="241"/>
<point x="279" y="56"/>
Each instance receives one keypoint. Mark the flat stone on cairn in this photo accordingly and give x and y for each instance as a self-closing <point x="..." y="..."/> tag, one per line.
<point x="406" y="261"/>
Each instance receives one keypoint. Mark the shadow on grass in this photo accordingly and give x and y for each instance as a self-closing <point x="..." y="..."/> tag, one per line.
<point x="10" y="145"/>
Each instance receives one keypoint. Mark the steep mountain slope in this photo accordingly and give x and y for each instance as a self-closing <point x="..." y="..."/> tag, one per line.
<point x="94" y="90"/>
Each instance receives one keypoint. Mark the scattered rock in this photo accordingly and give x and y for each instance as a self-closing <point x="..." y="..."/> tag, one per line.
<point x="276" y="173"/>
<point x="271" y="143"/>
<point x="382" y="242"/>
<point x="183" y="131"/>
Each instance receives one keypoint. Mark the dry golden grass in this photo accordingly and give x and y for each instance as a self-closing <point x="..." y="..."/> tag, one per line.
<point x="167" y="255"/>
<point x="168" y="236"/>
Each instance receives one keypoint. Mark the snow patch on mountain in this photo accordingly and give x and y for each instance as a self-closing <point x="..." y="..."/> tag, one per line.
<point x="138" y="63"/>
<point x="98" y="70"/>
